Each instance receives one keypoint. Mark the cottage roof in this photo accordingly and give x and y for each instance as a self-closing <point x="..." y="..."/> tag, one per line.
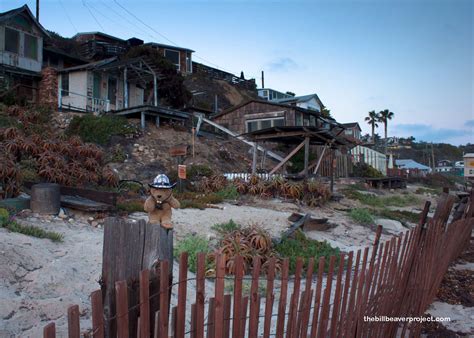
<point x="161" y="45"/>
<point x="8" y="15"/>
<point x="105" y="35"/>
<point x="299" y="99"/>
<point x="352" y="125"/>
<point x="410" y="164"/>
<point x="287" y="106"/>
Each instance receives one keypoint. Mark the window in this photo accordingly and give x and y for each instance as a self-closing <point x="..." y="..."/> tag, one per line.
<point x="189" y="64"/>
<point x="312" y="120"/>
<point x="306" y="120"/>
<point x="298" y="119"/>
<point x="348" y="132"/>
<point x="112" y="90"/>
<point x="31" y="47"/>
<point x="173" y="57"/>
<point x="12" y="40"/>
<point x="65" y="84"/>
<point x="265" y="123"/>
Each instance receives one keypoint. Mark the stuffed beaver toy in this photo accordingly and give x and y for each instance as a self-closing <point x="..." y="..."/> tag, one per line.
<point x="158" y="205"/>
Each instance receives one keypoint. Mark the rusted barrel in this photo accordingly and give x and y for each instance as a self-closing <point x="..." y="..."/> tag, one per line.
<point x="45" y="198"/>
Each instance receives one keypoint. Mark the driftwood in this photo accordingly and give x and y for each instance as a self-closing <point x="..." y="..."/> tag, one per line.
<point x="84" y="204"/>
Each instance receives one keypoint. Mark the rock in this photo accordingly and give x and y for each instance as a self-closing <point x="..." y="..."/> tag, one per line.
<point x="141" y="148"/>
<point x="71" y="220"/>
<point x="62" y="214"/>
<point x="90" y="219"/>
<point x="136" y="145"/>
<point x="390" y="225"/>
<point x="95" y="224"/>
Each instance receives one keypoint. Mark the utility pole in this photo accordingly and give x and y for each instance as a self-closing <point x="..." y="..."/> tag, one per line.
<point x="38" y="10"/>
<point x="432" y="157"/>
<point x="263" y="79"/>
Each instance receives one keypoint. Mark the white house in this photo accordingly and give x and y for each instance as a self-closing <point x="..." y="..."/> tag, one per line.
<point x="105" y="85"/>
<point x="371" y="157"/>
<point x="469" y="165"/>
<point x="311" y="102"/>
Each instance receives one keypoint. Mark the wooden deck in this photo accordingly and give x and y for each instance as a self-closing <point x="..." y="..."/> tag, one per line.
<point x="387" y="182"/>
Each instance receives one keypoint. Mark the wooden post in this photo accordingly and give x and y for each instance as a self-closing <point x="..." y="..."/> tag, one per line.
<point x="254" y="159"/>
<point x="130" y="247"/>
<point x="306" y="156"/>
<point x="142" y="120"/>
<point x="290" y="155"/>
<point x="125" y="88"/>
<point x="155" y="91"/>
<point x="157" y="121"/>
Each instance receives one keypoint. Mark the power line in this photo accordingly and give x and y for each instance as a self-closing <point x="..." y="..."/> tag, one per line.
<point x="68" y="17"/>
<point x="92" y="14"/>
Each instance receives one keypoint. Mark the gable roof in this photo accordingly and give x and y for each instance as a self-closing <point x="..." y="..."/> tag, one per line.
<point x="8" y="15"/>
<point x="411" y="164"/>
<point x="161" y="45"/>
<point x="272" y="103"/>
<point x="299" y="99"/>
<point x="352" y="125"/>
<point x="98" y="33"/>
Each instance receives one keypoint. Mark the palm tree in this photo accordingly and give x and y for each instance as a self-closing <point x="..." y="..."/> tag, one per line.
<point x="384" y="117"/>
<point x="372" y="119"/>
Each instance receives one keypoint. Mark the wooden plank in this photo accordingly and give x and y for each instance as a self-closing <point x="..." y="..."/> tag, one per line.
<point x="156" y="330"/>
<point x="269" y="298"/>
<point x="304" y="318"/>
<point x="123" y="251"/>
<point x="164" y="300"/>
<point x="291" y="328"/>
<point x="322" y="329"/>
<point x="289" y="156"/>
<point x="347" y="319"/>
<point x="283" y="296"/>
<point x="174" y="314"/>
<point x="345" y="292"/>
<point x="239" y="273"/>
<point x="193" y="321"/>
<point x="73" y="323"/>
<point x="121" y="296"/>
<point x="200" y="294"/>
<point x="337" y="299"/>
<point x="243" y="322"/>
<point x="295" y="226"/>
<point x="145" y="303"/>
<point x="84" y="204"/>
<point x="254" y="298"/>
<point x="211" y="318"/>
<point x="219" y="296"/>
<point x="227" y="314"/>
<point x="183" y="276"/>
<point x="317" y="297"/>
<point x="97" y="314"/>
<point x="49" y="331"/>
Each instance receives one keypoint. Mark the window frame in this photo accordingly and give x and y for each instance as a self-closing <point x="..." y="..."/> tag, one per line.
<point x="64" y="80"/>
<point x="17" y="32"/>
<point x="259" y="123"/>
<point x="178" y="65"/>
<point x="35" y="57"/>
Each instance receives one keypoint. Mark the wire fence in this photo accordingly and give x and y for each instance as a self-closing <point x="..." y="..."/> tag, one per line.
<point x="396" y="278"/>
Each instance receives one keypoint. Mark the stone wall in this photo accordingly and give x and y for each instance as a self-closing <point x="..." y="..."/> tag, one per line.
<point x="48" y="88"/>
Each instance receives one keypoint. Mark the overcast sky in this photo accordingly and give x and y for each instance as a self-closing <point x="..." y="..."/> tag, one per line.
<point x="413" y="57"/>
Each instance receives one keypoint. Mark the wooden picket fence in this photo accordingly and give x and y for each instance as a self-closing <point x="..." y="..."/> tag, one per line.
<point x="396" y="278"/>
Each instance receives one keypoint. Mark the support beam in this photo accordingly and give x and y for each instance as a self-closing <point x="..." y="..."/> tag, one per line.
<point x="157" y="121"/>
<point x="241" y="138"/>
<point x="254" y="158"/>
<point x="306" y="156"/>
<point x="320" y="159"/>
<point x="142" y="120"/>
<point x="290" y="155"/>
<point x="125" y="88"/>
<point x="155" y="91"/>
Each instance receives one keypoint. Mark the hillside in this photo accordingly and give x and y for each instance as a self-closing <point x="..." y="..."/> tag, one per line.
<point x="421" y="152"/>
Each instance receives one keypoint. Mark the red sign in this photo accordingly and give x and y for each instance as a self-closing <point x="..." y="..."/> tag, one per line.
<point x="182" y="171"/>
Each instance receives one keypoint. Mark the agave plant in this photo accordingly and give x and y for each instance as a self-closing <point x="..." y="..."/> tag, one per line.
<point x="240" y="185"/>
<point x="293" y="190"/>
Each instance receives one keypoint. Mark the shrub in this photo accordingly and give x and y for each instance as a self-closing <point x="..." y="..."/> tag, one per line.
<point x="130" y="206"/>
<point x="362" y="216"/>
<point x="301" y="246"/>
<point x="399" y="215"/>
<point x="365" y="170"/>
<point x="33" y="231"/>
<point x="99" y="129"/>
<point x="224" y="228"/>
<point x="192" y="244"/>
<point x="4" y="216"/>
<point x="116" y="154"/>
<point x="228" y="193"/>
<point x="196" y="171"/>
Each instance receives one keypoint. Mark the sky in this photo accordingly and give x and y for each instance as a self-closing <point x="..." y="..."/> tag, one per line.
<point x="414" y="57"/>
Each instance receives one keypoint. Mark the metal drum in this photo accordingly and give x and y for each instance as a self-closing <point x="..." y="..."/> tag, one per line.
<point x="45" y="198"/>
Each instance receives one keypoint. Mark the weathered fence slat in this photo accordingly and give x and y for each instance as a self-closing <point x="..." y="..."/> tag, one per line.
<point x="269" y="298"/>
<point x="73" y="324"/>
<point x="200" y="294"/>
<point x="145" y="304"/>
<point x="211" y="313"/>
<point x="254" y="299"/>
<point x="317" y="296"/>
<point x="219" y="296"/>
<point x="49" y="331"/>
<point x="326" y="299"/>
<point x="227" y="314"/>
<point x="238" y="275"/>
<point x="97" y="314"/>
<point x="183" y="276"/>
<point x="283" y="296"/>
<point x="291" y="326"/>
<point x="121" y="299"/>
<point x="164" y="298"/>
